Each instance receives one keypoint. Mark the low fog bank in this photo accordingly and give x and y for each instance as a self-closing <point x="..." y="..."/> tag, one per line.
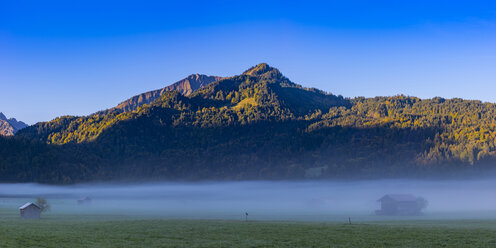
<point x="263" y="200"/>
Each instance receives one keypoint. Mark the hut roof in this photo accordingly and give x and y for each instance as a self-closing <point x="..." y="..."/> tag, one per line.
<point x="28" y="204"/>
<point x="399" y="197"/>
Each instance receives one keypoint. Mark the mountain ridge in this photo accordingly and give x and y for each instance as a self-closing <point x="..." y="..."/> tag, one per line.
<point x="185" y="86"/>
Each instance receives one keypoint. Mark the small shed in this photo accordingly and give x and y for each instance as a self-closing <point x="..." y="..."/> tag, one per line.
<point x="30" y="211"/>
<point x="401" y="204"/>
<point x="84" y="201"/>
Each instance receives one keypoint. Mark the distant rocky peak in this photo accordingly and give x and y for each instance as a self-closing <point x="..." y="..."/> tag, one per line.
<point x="10" y="126"/>
<point x="203" y="78"/>
<point x="197" y="76"/>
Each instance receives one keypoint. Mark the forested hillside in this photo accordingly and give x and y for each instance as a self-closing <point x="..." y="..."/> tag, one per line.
<point x="258" y="125"/>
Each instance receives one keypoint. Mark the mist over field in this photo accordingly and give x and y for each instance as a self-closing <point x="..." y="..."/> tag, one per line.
<point x="263" y="200"/>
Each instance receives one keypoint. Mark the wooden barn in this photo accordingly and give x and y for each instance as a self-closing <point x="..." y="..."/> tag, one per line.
<point x="30" y="211"/>
<point x="84" y="201"/>
<point x="401" y="205"/>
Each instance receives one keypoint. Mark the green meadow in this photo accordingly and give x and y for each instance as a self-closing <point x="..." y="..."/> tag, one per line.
<point x="59" y="230"/>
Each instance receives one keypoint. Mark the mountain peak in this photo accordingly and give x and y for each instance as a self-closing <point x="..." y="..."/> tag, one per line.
<point x="259" y="69"/>
<point x="10" y="126"/>
<point x="191" y="83"/>
<point x="195" y="76"/>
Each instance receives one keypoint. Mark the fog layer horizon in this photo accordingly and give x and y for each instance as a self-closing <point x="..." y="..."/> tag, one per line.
<point x="262" y="200"/>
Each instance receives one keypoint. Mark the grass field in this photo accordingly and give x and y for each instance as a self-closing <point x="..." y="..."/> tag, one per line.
<point x="281" y="214"/>
<point x="121" y="231"/>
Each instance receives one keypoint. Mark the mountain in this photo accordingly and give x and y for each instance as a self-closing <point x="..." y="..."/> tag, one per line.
<point x="258" y="125"/>
<point x="185" y="86"/>
<point x="10" y="126"/>
<point x="261" y="89"/>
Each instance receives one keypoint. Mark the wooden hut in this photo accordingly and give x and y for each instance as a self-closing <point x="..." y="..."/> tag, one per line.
<point x="30" y="211"/>
<point x="401" y="205"/>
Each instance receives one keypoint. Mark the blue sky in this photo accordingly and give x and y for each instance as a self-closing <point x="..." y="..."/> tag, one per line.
<point x="60" y="58"/>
